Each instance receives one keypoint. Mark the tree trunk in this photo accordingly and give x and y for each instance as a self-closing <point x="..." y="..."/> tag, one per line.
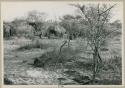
<point x="40" y="35"/>
<point x="95" y="64"/>
<point x="68" y="42"/>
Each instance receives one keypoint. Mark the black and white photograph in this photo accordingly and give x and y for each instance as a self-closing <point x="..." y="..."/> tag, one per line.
<point x="62" y="43"/>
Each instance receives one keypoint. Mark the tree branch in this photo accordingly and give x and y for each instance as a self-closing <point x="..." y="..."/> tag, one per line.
<point x="107" y="9"/>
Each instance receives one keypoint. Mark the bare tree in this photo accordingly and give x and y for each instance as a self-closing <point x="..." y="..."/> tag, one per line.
<point x="97" y="31"/>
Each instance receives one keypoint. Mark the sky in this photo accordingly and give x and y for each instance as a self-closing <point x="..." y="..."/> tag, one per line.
<point x="53" y="9"/>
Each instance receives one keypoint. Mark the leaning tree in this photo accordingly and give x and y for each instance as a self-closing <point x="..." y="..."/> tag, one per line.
<point x="97" y="30"/>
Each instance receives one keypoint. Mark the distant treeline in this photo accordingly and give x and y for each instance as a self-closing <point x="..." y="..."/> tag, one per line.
<point x="69" y="27"/>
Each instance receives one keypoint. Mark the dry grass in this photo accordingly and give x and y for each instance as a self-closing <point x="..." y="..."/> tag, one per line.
<point x="19" y="55"/>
